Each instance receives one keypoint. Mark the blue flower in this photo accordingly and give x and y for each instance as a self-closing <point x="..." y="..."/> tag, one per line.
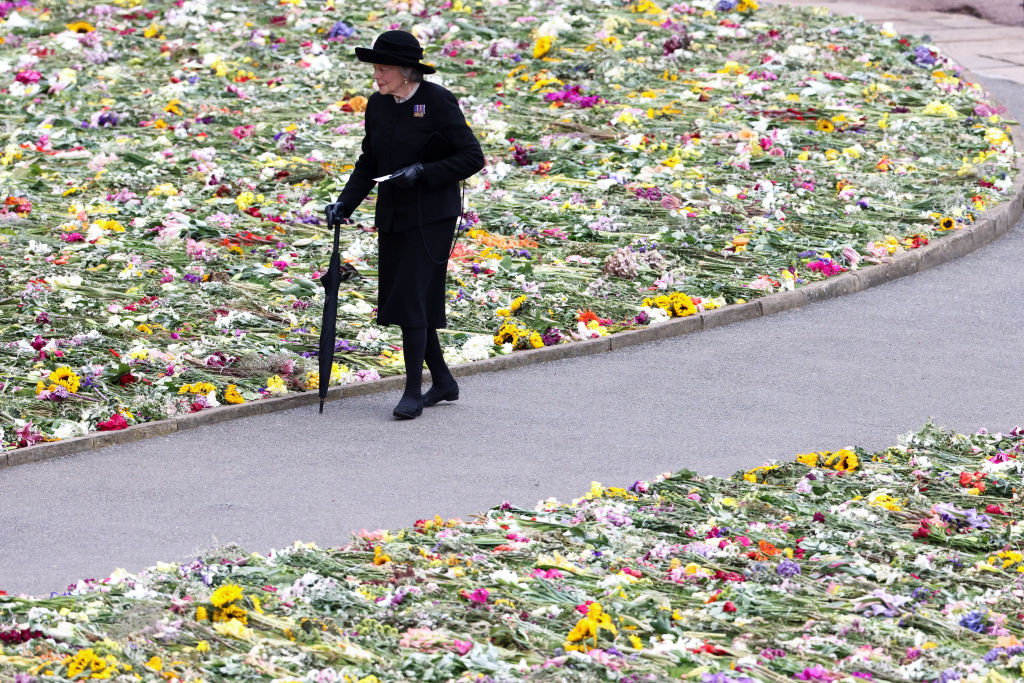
<point x="975" y="621"/>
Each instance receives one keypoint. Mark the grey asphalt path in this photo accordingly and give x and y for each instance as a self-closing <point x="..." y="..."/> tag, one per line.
<point x="859" y="370"/>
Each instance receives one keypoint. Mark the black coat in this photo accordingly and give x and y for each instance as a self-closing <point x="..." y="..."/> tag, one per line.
<point x="429" y="128"/>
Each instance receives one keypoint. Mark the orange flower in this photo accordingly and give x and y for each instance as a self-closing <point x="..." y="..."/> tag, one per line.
<point x="357" y="103"/>
<point x="586" y="316"/>
<point x="767" y="548"/>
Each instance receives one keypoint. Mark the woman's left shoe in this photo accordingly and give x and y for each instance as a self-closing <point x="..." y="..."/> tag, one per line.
<point x="408" y="408"/>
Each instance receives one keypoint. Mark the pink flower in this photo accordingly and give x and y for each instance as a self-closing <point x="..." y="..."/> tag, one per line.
<point x="461" y="646"/>
<point x="477" y="597"/>
<point x="28" y="76"/>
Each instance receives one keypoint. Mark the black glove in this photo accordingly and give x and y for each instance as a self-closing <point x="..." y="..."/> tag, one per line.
<point x="408" y="176"/>
<point x="337" y="211"/>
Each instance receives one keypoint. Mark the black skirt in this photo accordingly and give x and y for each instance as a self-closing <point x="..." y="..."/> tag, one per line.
<point x="411" y="286"/>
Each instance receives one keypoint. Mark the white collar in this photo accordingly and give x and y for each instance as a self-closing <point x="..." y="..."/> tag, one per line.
<point x="415" y="87"/>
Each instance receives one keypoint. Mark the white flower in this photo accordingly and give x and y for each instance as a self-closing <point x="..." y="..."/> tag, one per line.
<point x="506" y="577"/>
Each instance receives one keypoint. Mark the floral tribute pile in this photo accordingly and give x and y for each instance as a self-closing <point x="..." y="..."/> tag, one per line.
<point x="164" y="165"/>
<point x="900" y="565"/>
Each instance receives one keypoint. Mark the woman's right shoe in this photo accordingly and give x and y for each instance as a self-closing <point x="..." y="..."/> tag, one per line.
<point x="436" y="394"/>
<point x="408" y="408"/>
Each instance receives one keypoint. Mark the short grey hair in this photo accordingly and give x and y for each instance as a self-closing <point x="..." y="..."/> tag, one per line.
<point x="411" y="73"/>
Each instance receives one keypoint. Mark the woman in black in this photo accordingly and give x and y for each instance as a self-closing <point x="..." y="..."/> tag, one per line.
<point x="417" y="137"/>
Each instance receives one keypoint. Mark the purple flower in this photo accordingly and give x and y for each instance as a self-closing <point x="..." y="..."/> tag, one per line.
<point x="190" y="277"/>
<point x="814" y="673"/>
<point x="341" y="31"/>
<point x="977" y="520"/>
<point x="923" y="56"/>
<point x="787" y="568"/>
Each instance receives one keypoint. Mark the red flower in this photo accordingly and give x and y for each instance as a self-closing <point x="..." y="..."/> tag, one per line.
<point x="127" y="378"/>
<point x="996" y="510"/>
<point x="116" y="422"/>
<point x="969" y="480"/>
<point x="710" y="649"/>
<point x="923" y="530"/>
<point x="728" y="606"/>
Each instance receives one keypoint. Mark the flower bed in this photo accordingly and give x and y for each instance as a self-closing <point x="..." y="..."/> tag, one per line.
<point x="165" y="164"/>
<point x="839" y="566"/>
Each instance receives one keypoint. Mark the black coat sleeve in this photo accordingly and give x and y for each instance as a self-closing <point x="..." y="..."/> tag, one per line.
<point x="466" y="158"/>
<point x="360" y="182"/>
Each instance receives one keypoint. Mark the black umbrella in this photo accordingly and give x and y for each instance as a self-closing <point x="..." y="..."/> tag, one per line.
<point x="331" y="280"/>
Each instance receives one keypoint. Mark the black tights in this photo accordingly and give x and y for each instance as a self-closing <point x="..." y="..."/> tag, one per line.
<point x="419" y="344"/>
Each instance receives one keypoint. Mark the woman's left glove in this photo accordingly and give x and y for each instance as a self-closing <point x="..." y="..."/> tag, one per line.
<point x="408" y="176"/>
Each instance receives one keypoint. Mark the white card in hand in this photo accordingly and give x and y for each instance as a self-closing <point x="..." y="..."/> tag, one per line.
<point x="382" y="178"/>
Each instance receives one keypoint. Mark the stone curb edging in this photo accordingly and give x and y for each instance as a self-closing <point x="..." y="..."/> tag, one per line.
<point x="992" y="224"/>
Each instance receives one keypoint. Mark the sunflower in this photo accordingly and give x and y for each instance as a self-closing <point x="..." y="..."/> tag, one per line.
<point x="947" y="223"/>
<point x="825" y="126"/>
<point x="80" y="27"/>
<point x="682" y="305"/>
<point x="65" y="377"/>
<point x="843" y="460"/>
<point x="231" y="394"/>
<point x="809" y="459"/>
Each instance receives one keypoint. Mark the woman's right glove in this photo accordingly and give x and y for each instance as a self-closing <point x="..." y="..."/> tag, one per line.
<point x="337" y="211"/>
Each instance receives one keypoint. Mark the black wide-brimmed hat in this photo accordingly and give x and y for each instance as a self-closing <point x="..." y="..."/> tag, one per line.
<point x="397" y="48"/>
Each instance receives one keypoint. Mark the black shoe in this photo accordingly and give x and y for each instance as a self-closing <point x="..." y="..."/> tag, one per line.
<point x="408" y="408"/>
<point x="436" y="394"/>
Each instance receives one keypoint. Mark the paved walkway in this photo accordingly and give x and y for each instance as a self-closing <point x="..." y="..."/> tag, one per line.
<point x="861" y="369"/>
<point x="987" y="49"/>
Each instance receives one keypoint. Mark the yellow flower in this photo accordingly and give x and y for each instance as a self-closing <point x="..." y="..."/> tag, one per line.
<point x="202" y="646"/>
<point x="843" y="460"/>
<point x="66" y="378"/>
<point x="536" y="341"/>
<point x="145" y="329"/>
<point x="682" y="305"/>
<point x="379" y="556"/>
<point x="229" y="592"/>
<point x="276" y="385"/>
<point x="809" y="459"/>
<point x="947" y="223"/>
<point x="595" y="620"/>
<point x="233" y="628"/>
<point x="825" y="126"/>
<point x="936" y="108"/>
<point x="155" y="663"/>
<point x="245" y="200"/>
<point x="518" y="303"/>
<point x="80" y="27"/>
<point x="313" y="379"/>
<point x="996" y="137"/>
<point x="201" y="614"/>
<point x="542" y="46"/>
<point x="231" y="395"/>
<point x="172" y="107"/>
